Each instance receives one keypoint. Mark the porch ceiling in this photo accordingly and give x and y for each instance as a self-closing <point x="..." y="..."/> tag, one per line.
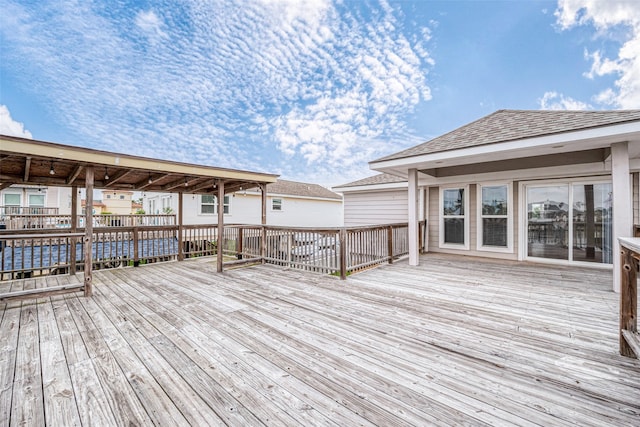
<point x="31" y="162"/>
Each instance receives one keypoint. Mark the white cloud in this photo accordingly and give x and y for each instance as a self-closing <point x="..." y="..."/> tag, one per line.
<point x="557" y="101"/>
<point x="10" y="127"/>
<point x="615" y="20"/>
<point x="260" y="85"/>
<point x="150" y="25"/>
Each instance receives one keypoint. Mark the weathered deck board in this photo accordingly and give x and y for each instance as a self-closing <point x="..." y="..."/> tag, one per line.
<point x="454" y="341"/>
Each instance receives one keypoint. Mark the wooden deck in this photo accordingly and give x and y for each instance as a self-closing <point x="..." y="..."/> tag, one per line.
<point x="455" y="341"/>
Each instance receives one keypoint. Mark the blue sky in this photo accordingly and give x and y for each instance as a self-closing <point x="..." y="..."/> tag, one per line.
<point x="311" y="90"/>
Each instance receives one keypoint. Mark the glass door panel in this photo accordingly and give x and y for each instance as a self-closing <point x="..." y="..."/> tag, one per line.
<point x="548" y="222"/>
<point x="592" y="223"/>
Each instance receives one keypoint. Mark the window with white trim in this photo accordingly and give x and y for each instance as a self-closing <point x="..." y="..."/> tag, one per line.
<point x="209" y="204"/>
<point x="11" y="203"/>
<point x="454" y="224"/>
<point x="494" y="217"/>
<point x="276" y="204"/>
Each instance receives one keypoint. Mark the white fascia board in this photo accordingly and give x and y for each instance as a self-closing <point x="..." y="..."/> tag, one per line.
<point x="372" y="187"/>
<point x="565" y="142"/>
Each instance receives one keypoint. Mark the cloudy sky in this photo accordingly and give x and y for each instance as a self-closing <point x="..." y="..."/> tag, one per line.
<point x="311" y="90"/>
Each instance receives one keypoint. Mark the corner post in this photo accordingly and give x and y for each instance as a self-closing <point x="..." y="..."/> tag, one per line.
<point x="220" y="204"/>
<point x="414" y="256"/>
<point x="343" y="253"/>
<point x="88" y="233"/>
<point x="628" y="300"/>
<point x="622" y="213"/>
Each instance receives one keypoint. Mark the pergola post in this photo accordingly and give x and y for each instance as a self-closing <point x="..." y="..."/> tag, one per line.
<point x="414" y="255"/>
<point x="263" y="221"/>
<point x="220" y="240"/>
<point x="88" y="233"/>
<point x="622" y="210"/>
<point x="74" y="229"/>
<point x="180" y="231"/>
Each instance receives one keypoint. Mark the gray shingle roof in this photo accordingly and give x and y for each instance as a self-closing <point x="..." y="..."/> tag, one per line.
<point x="511" y="125"/>
<point x="303" y="189"/>
<point x="383" y="178"/>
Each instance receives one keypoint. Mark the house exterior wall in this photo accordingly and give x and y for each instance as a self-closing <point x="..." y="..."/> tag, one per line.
<point x="375" y="207"/>
<point x="54" y="197"/>
<point x="636" y="197"/>
<point x="117" y="202"/>
<point x="246" y="208"/>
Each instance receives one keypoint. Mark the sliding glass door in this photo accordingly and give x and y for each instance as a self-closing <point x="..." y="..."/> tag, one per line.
<point x="548" y="221"/>
<point x="570" y="221"/>
<point x="592" y="223"/>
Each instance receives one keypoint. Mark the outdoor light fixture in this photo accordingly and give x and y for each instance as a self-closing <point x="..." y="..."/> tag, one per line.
<point x="106" y="175"/>
<point x="150" y="180"/>
<point x="186" y="184"/>
<point x="51" y="171"/>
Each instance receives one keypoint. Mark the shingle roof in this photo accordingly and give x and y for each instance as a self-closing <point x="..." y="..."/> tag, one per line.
<point x="383" y="178"/>
<point x="303" y="189"/>
<point x="511" y="125"/>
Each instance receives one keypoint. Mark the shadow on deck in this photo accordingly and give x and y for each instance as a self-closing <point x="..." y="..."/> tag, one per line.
<point x="453" y="341"/>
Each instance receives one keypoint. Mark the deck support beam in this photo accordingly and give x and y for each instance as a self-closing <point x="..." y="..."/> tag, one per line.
<point x="88" y="233"/>
<point x="414" y="256"/>
<point x="622" y="209"/>
<point x="220" y="240"/>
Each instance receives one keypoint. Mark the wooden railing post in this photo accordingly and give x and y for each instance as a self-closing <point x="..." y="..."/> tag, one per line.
<point x="628" y="300"/>
<point x="136" y="254"/>
<point x="342" y="237"/>
<point x="263" y="243"/>
<point x="240" y="238"/>
<point x="390" y="243"/>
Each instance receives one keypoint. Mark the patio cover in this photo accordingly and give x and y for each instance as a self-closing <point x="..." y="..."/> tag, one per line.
<point x="31" y="162"/>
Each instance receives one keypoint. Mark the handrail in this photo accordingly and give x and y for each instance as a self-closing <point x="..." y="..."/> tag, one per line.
<point x="338" y="251"/>
<point x="630" y="259"/>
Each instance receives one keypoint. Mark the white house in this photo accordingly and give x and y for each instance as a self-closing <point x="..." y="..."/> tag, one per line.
<point x="544" y="186"/>
<point x="289" y="203"/>
<point x="25" y="199"/>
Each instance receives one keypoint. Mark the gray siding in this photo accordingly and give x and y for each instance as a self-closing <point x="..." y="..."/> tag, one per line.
<point x="375" y="207"/>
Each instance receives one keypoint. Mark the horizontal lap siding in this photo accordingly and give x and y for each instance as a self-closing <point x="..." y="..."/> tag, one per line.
<point x="376" y="207"/>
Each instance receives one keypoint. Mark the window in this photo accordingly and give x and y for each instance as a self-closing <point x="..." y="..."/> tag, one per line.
<point x="454" y="227"/>
<point x="36" y="200"/>
<point x="11" y="203"/>
<point x="122" y="197"/>
<point x="276" y="204"/>
<point x="209" y="202"/>
<point x="494" y="217"/>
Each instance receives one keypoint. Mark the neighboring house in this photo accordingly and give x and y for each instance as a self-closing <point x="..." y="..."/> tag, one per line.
<point x="118" y="202"/>
<point x="289" y="203"/>
<point x="546" y="186"/>
<point x="32" y="199"/>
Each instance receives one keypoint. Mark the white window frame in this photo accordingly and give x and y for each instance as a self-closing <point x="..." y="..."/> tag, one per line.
<point x="281" y="204"/>
<point x="227" y="203"/>
<point x="522" y="218"/>
<point x="479" y="223"/>
<point x="465" y="217"/>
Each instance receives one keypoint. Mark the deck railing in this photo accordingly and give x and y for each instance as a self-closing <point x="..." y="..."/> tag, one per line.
<point x="339" y="251"/>
<point x="27" y="210"/>
<point x="20" y="221"/>
<point x="630" y="259"/>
